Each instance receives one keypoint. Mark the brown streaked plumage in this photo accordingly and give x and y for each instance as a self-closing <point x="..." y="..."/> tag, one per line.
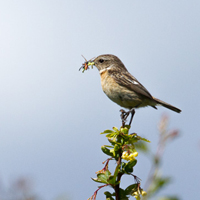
<point x="123" y="88"/>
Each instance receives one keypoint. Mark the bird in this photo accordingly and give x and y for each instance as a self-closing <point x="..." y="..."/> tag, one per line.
<point x="123" y="88"/>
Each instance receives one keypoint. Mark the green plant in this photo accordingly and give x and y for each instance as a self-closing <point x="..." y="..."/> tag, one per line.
<point x="123" y="149"/>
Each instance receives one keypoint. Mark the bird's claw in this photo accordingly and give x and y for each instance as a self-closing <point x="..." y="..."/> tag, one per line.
<point x="124" y="115"/>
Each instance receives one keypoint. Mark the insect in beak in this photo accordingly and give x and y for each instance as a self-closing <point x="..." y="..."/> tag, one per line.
<point x="86" y="64"/>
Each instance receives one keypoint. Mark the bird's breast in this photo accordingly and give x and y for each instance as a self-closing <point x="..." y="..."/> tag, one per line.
<point x="108" y="84"/>
<point x="117" y="93"/>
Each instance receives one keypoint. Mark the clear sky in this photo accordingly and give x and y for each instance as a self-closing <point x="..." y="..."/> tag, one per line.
<point x="51" y="114"/>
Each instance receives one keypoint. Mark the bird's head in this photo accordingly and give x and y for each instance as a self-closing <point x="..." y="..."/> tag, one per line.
<point x="105" y="62"/>
<point x="108" y="61"/>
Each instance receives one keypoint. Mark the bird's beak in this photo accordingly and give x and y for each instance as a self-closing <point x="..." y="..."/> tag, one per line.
<point x="86" y="64"/>
<point x="91" y="63"/>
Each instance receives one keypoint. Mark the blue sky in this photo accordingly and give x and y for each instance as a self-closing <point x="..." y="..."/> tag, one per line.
<point x="51" y="114"/>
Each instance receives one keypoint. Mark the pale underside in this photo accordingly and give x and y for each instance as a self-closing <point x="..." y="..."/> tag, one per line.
<point x="121" y="95"/>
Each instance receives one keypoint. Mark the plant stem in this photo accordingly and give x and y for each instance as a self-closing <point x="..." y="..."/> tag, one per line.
<point x="118" y="177"/>
<point x="116" y="188"/>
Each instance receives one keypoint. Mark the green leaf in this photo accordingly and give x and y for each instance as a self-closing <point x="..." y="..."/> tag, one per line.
<point x="103" y="177"/>
<point x="122" y="195"/>
<point x="113" y="152"/>
<point x="109" y="198"/>
<point x="115" y="129"/>
<point x="128" y="167"/>
<point x="106" y="151"/>
<point x="117" y="171"/>
<point x="131" y="188"/>
<point x="109" y="195"/>
<point x="96" y="180"/>
<point x="142" y="146"/>
<point x="135" y="138"/>
<point x="124" y="130"/>
<point x="112" y="181"/>
<point x="111" y="141"/>
<point x="144" y="139"/>
<point x="107" y="131"/>
<point x="122" y="140"/>
<point x="111" y="135"/>
<point x="116" y="147"/>
<point x="108" y="146"/>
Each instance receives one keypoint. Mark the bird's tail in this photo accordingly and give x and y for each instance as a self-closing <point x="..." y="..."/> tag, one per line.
<point x="166" y="105"/>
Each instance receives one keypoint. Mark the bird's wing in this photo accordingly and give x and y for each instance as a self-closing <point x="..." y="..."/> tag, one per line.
<point x="130" y="82"/>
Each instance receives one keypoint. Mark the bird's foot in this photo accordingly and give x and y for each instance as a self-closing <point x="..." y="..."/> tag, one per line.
<point x="124" y="115"/>
<point x="132" y="111"/>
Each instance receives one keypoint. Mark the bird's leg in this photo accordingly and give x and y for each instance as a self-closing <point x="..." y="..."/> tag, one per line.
<point x="125" y="114"/>
<point x="132" y="111"/>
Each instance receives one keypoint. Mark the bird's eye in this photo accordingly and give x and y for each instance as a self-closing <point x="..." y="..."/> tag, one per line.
<point x="101" y="60"/>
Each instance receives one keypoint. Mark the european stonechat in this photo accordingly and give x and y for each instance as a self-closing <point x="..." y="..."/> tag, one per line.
<point x="123" y="88"/>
